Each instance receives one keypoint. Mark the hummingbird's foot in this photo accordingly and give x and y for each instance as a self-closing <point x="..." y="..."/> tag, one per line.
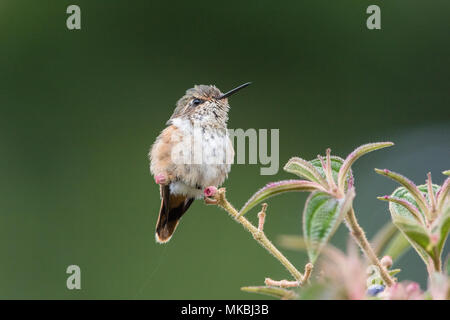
<point x="160" y="179"/>
<point x="209" y="193"/>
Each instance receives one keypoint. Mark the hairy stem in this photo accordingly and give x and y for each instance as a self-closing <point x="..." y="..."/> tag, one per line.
<point x="257" y="234"/>
<point x="360" y="238"/>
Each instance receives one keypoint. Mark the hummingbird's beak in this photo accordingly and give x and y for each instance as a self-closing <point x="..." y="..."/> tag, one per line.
<point x="233" y="91"/>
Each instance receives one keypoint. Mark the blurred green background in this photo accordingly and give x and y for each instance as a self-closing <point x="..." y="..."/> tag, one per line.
<point x="80" y="110"/>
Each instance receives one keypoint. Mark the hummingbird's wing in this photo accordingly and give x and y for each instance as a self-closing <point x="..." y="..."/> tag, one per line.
<point x="172" y="209"/>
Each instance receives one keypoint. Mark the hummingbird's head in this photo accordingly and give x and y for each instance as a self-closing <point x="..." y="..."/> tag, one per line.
<point x="205" y="104"/>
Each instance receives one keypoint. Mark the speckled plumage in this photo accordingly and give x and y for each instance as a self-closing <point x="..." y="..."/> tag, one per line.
<point x="192" y="153"/>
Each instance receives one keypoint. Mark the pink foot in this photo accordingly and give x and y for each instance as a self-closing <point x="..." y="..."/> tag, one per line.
<point x="210" y="191"/>
<point x="160" y="178"/>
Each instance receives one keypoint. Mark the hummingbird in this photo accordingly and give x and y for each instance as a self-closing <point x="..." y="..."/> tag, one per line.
<point x="192" y="153"/>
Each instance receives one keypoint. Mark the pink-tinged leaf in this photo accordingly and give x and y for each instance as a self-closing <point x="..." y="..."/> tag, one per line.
<point x="442" y="195"/>
<point x="431" y="195"/>
<point x="418" y="237"/>
<point x="321" y="217"/>
<point x="336" y="164"/>
<point x="278" y="187"/>
<point x="407" y="205"/>
<point x="305" y="169"/>
<point x="329" y="171"/>
<point x="357" y="153"/>
<point x="410" y="186"/>
<point x="443" y="228"/>
<point x="416" y="232"/>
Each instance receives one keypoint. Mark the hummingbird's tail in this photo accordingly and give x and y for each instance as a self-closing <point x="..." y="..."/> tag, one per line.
<point x="172" y="209"/>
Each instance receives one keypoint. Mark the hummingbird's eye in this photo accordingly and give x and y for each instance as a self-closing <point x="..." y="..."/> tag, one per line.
<point x="196" y="102"/>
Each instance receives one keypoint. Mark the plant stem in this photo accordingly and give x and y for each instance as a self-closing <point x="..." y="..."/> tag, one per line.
<point x="360" y="238"/>
<point x="257" y="234"/>
<point x="437" y="263"/>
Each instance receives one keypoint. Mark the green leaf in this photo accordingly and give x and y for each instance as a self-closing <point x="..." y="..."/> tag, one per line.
<point x="413" y="210"/>
<point x="405" y="194"/>
<point x="442" y="195"/>
<point x="442" y="225"/>
<point x="321" y="217"/>
<point x="275" y="188"/>
<point x="352" y="157"/>
<point x="416" y="233"/>
<point x="276" y="292"/>
<point x="336" y="163"/>
<point x="418" y="196"/>
<point x="393" y="272"/>
<point x="446" y="172"/>
<point x="305" y="169"/>
<point x="442" y="229"/>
